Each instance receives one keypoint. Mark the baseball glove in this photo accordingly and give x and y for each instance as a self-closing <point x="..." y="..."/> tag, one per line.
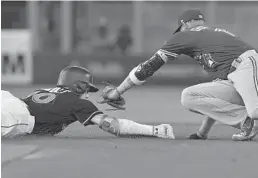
<point x="117" y="104"/>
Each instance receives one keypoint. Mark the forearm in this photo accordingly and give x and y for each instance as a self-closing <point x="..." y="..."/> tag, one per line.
<point x="206" y="126"/>
<point x="139" y="74"/>
<point x="128" y="82"/>
<point x="122" y="127"/>
<point x="125" y="85"/>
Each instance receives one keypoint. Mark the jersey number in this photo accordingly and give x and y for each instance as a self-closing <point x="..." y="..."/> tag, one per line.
<point x="43" y="98"/>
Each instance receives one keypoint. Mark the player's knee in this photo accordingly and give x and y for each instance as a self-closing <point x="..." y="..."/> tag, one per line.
<point x="187" y="98"/>
<point x="253" y="113"/>
<point x="111" y="125"/>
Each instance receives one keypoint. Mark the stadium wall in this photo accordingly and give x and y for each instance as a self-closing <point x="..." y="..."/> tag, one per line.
<point x="183" y="71"/>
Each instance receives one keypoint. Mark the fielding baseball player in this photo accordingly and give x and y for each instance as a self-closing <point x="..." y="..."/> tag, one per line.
<point x="232" y="99"/>
<point x="49" y="111"/>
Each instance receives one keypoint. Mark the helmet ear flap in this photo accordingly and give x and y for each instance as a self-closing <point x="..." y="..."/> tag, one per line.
<point x="80" y="87"/>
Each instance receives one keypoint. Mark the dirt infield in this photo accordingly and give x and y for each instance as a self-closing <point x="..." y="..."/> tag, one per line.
<point x="81" y="152"/>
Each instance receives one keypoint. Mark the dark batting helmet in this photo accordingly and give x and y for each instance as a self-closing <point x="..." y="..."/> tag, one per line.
<point x="78" y="79"/>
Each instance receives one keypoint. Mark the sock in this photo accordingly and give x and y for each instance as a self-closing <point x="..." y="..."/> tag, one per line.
<point x="128" y="127"/>
<point x="205" y="127"/>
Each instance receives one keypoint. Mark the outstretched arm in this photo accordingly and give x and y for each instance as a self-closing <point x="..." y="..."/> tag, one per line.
<point x="124" y="127"/>
<point x="180" y="43"/>
<point x="87" y="113"/>
<point x="143" y="71"/>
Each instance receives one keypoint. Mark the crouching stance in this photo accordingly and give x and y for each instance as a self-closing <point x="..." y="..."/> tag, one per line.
<point x="219" y="101"/>
<point x="49" y="111"/>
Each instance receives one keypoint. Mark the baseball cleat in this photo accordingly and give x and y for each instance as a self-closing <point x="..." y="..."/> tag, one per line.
<point x="248" y="131"/>
<point x="242" y="137"/>
<point x="196" y="136"/>
<point x="164" y="131"/>
<point x="253" y="133"/>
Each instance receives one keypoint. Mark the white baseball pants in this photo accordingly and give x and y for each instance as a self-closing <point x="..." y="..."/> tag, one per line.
<point x="15" y="117"/>
<point x="228" y="101"/>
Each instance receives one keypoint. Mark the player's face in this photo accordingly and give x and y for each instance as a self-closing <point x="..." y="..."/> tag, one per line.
<point x="186" y="26"/>
<point x="183" y="27"/>
<point x="84" y="96"/>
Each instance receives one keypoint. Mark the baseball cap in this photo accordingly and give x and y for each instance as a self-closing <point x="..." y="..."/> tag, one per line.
<point x="187" y="16"/>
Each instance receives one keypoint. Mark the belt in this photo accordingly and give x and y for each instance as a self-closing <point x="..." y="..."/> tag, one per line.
<point x="240" y="59"/>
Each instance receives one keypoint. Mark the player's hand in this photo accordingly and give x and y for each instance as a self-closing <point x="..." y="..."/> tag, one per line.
<point x="195" y="136"/>
<point x="110" y="92"/>
<point x="111" y="96"/>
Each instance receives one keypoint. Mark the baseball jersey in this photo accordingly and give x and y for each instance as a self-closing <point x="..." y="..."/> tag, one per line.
<point x="214" y="48"/>
<point x="56" y="108"/>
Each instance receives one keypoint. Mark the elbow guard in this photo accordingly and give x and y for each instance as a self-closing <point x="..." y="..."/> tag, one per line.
<point x="140" y="73"/>
<point x="110" y="124"/>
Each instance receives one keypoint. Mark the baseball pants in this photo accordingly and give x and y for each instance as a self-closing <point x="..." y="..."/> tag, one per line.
<point x="228" y="101"/>
<point x="15" y="117"/>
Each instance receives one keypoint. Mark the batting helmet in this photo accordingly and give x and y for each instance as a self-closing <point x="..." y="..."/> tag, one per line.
<point x="78" y="79"/>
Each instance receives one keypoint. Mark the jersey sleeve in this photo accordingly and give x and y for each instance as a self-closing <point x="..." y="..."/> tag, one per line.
<point x="179" y="43"/>
<point x="25" y="98"/>
<point x="84" y="111"/>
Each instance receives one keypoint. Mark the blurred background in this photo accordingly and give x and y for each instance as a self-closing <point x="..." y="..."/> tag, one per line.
<point x="39" y="38"/>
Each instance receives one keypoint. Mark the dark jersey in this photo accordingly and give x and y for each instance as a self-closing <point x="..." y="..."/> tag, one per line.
<point x="214" y="48"/>
<point x="56" y="108"/>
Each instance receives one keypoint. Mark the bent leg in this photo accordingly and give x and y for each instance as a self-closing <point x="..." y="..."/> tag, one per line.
<point x="15" y="117"/>
<point x="245" y="80"/>
<point x="7" y="122"/>
<point x="218" y="100"/>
